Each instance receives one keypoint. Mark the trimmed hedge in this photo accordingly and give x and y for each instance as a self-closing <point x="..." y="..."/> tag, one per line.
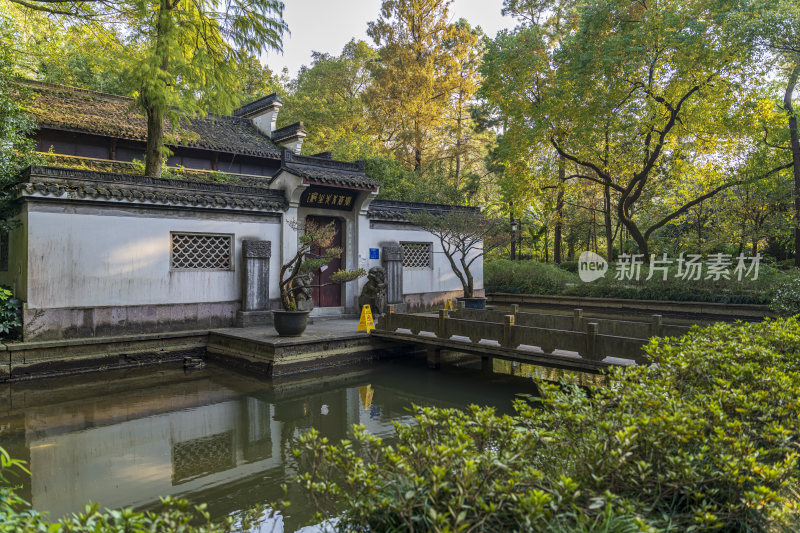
<point x="528" y="277"/>
<point x="705" y="439"/>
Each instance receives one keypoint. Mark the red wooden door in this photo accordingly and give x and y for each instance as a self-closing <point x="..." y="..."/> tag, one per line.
<point x="326" y="293"/>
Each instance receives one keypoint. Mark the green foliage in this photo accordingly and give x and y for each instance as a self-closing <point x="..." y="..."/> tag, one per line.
<point x="569" y="266"/>
<point x="16" y="148"/>
<point x="10" y="314"/>
<point x="525" y="277"/>
<point x="326" y="96"/>
<point x="529" y="277"/>
<point x="703" y="439"/>
<point x="397" y="183"/>
<point x="663" y="128"/>
<point x="786" y="300"/>
<point x="343" y="276"/>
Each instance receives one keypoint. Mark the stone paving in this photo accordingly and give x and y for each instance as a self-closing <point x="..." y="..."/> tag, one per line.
<point x="320" y="329"/>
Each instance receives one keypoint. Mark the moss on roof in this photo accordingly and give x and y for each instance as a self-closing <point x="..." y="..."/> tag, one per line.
<point x="68" y="108"/>
<point x="137" y="169"/>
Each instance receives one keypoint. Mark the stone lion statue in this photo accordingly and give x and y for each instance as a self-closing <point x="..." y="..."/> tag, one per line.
<point x="304" y="292"/>
<point x="374" y="291"/>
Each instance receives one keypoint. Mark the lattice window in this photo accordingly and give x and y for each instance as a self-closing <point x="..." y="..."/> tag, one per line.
<point x="202" y="456"/>
<point x="202" y="251"/>
<point x="417" y="254"/>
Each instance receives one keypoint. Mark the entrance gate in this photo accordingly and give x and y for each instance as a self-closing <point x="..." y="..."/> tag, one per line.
<point x="327" y="293"/>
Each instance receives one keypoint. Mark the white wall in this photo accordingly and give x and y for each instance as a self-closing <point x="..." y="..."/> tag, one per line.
<point x="90" y="257"/>
<point x="440" y="278"/>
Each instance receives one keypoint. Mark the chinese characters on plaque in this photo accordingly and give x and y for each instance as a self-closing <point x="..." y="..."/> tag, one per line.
<point x="342" y="200"/>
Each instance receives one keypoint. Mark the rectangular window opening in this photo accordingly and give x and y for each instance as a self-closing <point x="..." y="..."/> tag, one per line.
<point x="417" y="255"/>
<point x="201" y="251"/>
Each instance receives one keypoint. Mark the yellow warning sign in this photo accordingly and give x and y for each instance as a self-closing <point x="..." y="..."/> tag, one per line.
<point x="448" y="305"/>
<point x="365" y="323"/>
<point x="366" y="392"/>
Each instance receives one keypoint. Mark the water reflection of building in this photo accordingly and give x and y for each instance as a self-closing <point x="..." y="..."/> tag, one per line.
<point x="125" y="445"/>
<point x="126" y="438"/>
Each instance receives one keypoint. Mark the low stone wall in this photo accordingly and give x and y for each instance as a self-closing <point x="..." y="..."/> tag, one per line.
<point x="20" y="361"/>
<point x="88" y="322"/>
<point x="722" y="310"/>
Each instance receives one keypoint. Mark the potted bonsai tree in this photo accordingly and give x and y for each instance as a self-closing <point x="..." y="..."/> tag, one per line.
<point x="313" y="252"/>
<point x="465" y="235"/>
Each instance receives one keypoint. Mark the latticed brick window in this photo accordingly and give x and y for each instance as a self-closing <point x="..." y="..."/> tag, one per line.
<point x="201" y="251"/>
<point x="417" y="254"/>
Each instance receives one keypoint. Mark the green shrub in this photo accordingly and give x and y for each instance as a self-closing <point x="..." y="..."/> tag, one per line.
<point x="525" y="277"/>
<point x="705" y="439"/>
<point x="569" y="266"/>
<point x="10" y="314"/>
<point x="786" y="300"/>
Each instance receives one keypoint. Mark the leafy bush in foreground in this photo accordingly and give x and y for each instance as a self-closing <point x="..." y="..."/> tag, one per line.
<point x="10" y="313"/>
<point x="704" y="439"/>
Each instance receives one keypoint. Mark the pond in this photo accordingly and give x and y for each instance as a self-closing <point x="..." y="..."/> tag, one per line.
<point x="124" y="438"/>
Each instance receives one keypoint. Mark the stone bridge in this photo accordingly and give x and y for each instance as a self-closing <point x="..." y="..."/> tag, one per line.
<point x="571" y="342"/>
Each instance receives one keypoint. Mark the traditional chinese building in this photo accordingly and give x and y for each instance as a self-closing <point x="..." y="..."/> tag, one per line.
<point x="102" y="250"/>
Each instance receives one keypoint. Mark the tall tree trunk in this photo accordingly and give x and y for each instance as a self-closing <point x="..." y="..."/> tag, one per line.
<point x="570" y="246"/>
<point x="458" y="143"/>
<point x="152" y="102"/>
<point x="546" y="245"/>
<point x="633" y="231"/>
<point x="155" y="134"/>
<point x="557" y="238"/>
<point x="787" y="105"/>
<point x="607" y="222"/>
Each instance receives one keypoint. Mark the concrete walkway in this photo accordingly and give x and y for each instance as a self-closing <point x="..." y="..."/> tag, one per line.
<point x="320" y="329"/>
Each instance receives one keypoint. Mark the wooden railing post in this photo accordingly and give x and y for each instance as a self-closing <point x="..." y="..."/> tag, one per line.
<point x="591" y="342"/>
<point x="577" y="320"/>
<point x="441" y="330"/>
<point x="508" y="324"/>
<point x="655" y="326"/>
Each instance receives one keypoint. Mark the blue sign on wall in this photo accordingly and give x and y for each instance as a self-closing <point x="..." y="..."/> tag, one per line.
<point x="374" y="253"/>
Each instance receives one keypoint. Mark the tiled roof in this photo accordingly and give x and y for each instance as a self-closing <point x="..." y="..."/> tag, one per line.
<point x="255" y="108"/>
<point x="287" y="132"/>
<point x="398" y="211"/>
<point x="85" y="185"/>
<point x="68" y="108"/>
<point x="325" y="171"/>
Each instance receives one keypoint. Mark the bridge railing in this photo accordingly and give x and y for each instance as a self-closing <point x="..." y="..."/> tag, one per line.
<point x="552" y="333"/>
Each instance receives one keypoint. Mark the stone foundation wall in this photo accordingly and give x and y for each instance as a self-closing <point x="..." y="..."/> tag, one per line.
<point x="81" y="322"/>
